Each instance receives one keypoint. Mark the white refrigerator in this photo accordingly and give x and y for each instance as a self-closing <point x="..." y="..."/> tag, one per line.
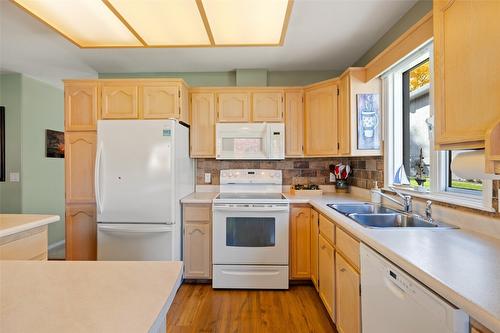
<point x="142" y="171"/>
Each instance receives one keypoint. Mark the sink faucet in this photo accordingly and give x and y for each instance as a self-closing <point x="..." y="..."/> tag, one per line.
<point x="428" y="210"/>
<point x="406" y="202"/>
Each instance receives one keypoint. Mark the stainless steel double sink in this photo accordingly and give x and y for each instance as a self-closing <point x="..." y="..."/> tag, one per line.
<point x="377" y="216"/>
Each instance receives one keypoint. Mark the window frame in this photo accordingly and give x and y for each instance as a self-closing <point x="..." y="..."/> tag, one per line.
<point x="392" y="105"/>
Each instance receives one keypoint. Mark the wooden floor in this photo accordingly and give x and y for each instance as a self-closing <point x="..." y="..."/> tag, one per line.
<point x="199" y="308"/>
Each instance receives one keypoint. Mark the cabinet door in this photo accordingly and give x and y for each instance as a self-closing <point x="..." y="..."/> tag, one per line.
<point x="81" y="232"/>
<point x="79" y="166"/>
<point x="119" y="101"/>
<point x="197" y="241"/>
<point x="233" y="107"/>
<point x="348" y="297"/>
<point x="321" y="122"/>
<point x="267" y="106"/>
<point x="300" y="234"/>
<point x="294" y="124"/>
<point x="326" y="269"/>
<point x="197" y="250"/>
<point x="344" y="123"/>
<point x="466" y="86"/>
<point x="160" y="101"/>
<point x="80" y="106"/>
<point x="314" y="247"/>
<point x="202" y="125"/>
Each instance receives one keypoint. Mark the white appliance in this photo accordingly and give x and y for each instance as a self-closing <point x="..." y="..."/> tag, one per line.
<point x="250" y="231"/>
<point x="394" y="302"/>
<point x="250" y="141"/>
<point x="142" y="170"/>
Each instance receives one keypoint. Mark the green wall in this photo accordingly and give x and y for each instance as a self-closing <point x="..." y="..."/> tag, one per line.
<point x="411" y="17"/>
<point x="43" y="177"/>
<point x="229" y="79"/>
<point x="10" y="97"/>
<point x="31" y="107"/>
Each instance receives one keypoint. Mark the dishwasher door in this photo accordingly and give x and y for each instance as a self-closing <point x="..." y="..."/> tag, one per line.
<point x="394" y="302"/>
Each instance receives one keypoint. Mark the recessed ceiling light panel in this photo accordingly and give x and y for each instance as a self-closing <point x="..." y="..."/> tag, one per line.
<point x="164" y="22"/>
<point x="87" y="23"/>
<point x="247" y="22"/>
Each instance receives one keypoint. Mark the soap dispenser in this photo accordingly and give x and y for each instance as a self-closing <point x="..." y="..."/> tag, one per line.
<point x="375" y="196"/>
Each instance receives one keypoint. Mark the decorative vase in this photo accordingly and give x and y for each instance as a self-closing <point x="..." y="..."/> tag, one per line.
<point x="341" y="186"/>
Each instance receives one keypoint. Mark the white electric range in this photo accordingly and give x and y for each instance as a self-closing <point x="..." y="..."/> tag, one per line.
<point x="250" y="231"/>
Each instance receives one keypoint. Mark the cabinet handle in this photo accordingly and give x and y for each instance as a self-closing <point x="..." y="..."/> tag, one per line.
<point x="323" y="247"/>
<point x="342" y="269"/>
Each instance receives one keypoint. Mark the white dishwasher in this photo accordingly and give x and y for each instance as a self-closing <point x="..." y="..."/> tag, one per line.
<point x="394" y="302"/>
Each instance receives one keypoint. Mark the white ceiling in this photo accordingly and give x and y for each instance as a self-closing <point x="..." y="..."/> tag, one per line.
<point x="322" y="34"/>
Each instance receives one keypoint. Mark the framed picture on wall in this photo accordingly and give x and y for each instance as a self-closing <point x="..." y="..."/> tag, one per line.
<point x="54" y="143"/>
<point x="368" y="116"/>
<point x="2" y="143"/>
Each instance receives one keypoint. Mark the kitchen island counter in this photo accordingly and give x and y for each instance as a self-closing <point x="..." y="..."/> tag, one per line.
<point x="87" y="296"/>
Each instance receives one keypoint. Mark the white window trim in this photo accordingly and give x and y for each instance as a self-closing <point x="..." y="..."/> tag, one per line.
<point x="391" y="101"/>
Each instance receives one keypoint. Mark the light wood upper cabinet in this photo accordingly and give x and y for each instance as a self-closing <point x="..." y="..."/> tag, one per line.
<point x="197" y="241"/>
<point x="321" y="121"/>
<point x="202" y="125"/>
<point x="300" y="233"/>
<point x="294" y="124"/>
<point x="348" y="297"/>
<point x="326" y="260"/>
<point x="233" y="107"/>
<point x="314" y="247"/>
<point x="159" y="101"/>
<point x="80" y="150"/>
<point x="267" y="106"/>
<point x="80" y="105"/>
<point x="466" y="69"/>
<point x="119" y="100"/>
<point x="81" y="232"/>
<point x="344" y="119"/>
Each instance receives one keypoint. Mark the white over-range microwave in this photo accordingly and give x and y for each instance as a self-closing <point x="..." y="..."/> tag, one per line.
<point x="250" y="141"/>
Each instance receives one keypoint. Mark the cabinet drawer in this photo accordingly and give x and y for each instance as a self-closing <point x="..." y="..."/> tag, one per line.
<point x="30" y="247"/>
<point x="197" y="213"/>
<point x="327" y="229"/>
<point x="348" y="246"/>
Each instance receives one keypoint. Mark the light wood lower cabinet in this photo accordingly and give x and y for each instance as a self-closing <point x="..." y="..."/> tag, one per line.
<point x="80" y="150"/>
<point x="326" y="260"/>
<point x="347" y="297"/>
<point x="314" y="247"/>
<point x="197" y="241"/>
<point x="81" y="232"/>
<point x="300" y="240"/>
<point x="25" y="245"/>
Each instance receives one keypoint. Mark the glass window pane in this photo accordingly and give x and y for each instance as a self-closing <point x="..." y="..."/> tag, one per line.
<point x="455" y="182"/>
<point x="417" y="124"/>
<point x="250" y="231"/>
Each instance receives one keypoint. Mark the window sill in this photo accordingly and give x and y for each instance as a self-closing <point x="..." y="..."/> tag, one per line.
<point x="450" y="198"/>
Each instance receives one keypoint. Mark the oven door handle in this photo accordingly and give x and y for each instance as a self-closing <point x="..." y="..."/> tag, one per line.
<point x="251" y="209"/>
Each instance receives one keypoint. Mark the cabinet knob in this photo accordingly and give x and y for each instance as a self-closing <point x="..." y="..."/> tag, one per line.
<point x="342" y="269"/>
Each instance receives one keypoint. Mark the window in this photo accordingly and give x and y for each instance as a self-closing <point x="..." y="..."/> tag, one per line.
<point x="409" y="150"/>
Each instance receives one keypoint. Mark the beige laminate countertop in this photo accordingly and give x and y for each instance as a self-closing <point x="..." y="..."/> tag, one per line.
<point x="461" y="266"/>
<point x="86" y="296"/>
<point x="14" y="223"/>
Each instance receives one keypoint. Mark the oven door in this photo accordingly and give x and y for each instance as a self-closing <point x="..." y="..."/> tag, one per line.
<point x="250" y="234"/>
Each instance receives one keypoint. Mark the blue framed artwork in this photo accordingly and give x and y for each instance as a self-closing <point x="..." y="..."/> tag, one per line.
<point x="368" y="116"/>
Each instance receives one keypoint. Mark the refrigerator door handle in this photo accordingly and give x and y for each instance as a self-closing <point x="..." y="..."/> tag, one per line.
<point x="135" y="229"/>
<point x="97" y="178"/>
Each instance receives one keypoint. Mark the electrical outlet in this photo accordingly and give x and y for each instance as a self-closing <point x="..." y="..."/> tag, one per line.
<point x="14" y="177"/>
<point x="208" y="178"/>
<point x="332" y="177"/>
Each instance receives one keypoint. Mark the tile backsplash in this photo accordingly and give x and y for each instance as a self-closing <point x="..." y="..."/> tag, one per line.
<point x="366" y="170"/>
